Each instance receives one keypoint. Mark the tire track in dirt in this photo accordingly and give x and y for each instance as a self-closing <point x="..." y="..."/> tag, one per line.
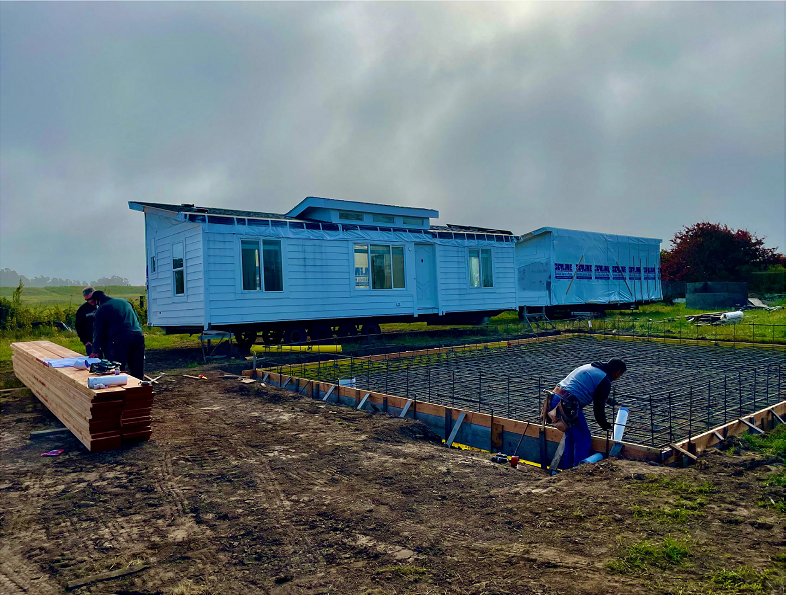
<point x="176" y="503"/>
<point x="304" y="558"/>
<point x="18" y="577"/>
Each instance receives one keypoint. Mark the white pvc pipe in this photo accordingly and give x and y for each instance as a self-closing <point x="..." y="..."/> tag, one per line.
<point x="84" y="364"/>
<point x="619" y="423"/>
<point x="96" y="382"/>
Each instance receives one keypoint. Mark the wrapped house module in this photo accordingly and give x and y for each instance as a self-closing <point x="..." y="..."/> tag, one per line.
<point x="565" y="268"/>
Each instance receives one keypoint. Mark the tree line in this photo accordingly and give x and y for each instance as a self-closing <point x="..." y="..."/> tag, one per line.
<point x="10" y="278"/>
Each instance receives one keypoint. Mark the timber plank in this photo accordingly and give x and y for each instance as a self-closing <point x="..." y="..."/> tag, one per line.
<point x="97" y="418"/>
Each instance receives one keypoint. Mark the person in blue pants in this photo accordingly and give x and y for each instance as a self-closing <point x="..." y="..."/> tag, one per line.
<point x="590" y="383"/>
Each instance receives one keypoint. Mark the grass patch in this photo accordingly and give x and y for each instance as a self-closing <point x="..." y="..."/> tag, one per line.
<point x="640" y="557"/>
<point x="680" y="512"/>
<point x="771" y="443"/>
<point x="665" y="320"/>
<point x="405" y="571"/>
<point x="743" y="580"/>
<point x="685" y="487"/>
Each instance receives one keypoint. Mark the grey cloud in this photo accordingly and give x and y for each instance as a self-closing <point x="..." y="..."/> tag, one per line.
<point x="627" y="118"/>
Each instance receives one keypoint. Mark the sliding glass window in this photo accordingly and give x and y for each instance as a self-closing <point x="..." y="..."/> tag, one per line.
<point x="379" y="266"/>
<point x="273" y="268"/>
<point x="262" y="270"/>
<point x="250" y="257"/>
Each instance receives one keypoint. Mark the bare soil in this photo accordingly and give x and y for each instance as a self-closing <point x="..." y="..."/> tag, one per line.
<point x="251" y="489"/>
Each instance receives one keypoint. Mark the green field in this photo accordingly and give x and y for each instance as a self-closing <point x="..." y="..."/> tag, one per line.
<point x="654" y="320"/>
<point x="65" y="296"/>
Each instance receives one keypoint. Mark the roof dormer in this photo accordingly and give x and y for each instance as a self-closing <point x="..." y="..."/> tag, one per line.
<point x="362" y="213"/>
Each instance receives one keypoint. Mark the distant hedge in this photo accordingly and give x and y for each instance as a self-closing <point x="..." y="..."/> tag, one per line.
<point x="768" y="282"/>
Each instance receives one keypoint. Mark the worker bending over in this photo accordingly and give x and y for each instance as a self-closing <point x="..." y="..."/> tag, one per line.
<point x="84" y="320"/>
<point x="117" y="331"/>
<point x="590" y="383"/>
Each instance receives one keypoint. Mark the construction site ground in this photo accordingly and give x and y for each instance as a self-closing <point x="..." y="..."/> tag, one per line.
<point x="248" y="489"/>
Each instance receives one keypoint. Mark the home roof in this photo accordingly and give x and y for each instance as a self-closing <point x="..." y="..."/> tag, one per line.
<point x="316" y="202"/>
<point x="575" y="232"/>
<point x="190" y="208"/>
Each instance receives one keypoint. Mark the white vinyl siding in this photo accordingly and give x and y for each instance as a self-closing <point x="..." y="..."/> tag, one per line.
<point x="165" y="307"/>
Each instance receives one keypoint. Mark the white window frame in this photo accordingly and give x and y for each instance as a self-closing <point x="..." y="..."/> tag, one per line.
<point x="480" y="251"/>
<point x="390" y="247"/>
<point x="152" y="261"/>
<point x="262" y="290"/>
<point x="182" y="244"/>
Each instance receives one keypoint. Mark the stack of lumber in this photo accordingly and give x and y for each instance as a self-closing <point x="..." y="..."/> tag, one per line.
<point x="101" y="419"/>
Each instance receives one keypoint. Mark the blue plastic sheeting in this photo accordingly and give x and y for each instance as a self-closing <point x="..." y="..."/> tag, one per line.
<point x="566" y="267"/>
<point x="68" y="362"/>
<point x="285" y="229"/>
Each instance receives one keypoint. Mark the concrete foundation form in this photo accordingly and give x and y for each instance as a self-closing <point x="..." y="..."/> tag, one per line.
<point x="673" y="391"/>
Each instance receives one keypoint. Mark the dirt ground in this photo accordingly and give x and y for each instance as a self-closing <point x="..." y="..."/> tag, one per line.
<point x="250" y="489"/>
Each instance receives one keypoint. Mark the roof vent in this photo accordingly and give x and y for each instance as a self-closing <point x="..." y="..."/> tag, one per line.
<point x="186" y="205"/>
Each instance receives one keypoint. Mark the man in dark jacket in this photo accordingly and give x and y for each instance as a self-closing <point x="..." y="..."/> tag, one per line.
<point x="117" y="331"/>
<point x="586" y="384"/>
<point x="84" y="320"/>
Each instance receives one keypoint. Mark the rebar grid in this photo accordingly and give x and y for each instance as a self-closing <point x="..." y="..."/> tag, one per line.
<point x="672" y="391"/>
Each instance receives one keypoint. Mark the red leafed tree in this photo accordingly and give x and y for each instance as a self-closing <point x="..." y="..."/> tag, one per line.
<point x="714" y="252"/>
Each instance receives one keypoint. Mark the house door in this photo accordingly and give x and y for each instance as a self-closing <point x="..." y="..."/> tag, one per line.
<point x="426" y="276"/>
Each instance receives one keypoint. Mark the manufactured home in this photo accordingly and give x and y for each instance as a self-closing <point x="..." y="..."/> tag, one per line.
<point x="563" y="268"/>
<point x="327" y="266"/>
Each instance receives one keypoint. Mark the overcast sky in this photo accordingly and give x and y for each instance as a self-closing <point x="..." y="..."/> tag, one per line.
<point x="626" y="118"/>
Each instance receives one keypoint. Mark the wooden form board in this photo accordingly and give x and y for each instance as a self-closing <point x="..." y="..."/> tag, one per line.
<point x="101" y="419"/>
<point x="763" y="418"/>
<point x="314" y="389"/>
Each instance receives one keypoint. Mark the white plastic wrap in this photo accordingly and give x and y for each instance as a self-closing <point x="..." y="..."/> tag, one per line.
<point x="732" y="317"/>
<point x="566" y="267"/>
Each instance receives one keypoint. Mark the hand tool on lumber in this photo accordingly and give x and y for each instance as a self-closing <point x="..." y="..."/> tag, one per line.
<point x="105" y="367"/>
